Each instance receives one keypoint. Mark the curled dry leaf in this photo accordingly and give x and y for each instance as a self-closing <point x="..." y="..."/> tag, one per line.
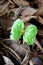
<point x="38" y="44"/>
<point x="20" y="2"/>
<point x="40" y="32"/>
<point x="40" y="20"/>
<point x="28" y="11"/>
<point x="25" y="19"/>
<point x="4" y="6"/>
<point x="16" y="46"/>
<point x="39" y="11"/>
<point x="7" y="61"/>
<point x="2" y="1"/>
<point x="4" y="12"/>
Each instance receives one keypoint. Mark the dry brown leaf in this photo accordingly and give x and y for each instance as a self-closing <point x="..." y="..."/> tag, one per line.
<point x="2" y="1"/>
<point x="21" y="2"/>
<point x="4" y="6"/>
<point x="40" y="20"/>
<point x="25" y="19"/>
<point x="39" y="45"/>
<point x="28" y="11"/>
<point x="4" y="12"/>
<point x="40" y="32"/>
<point x="39" y="11"/>
<point x="7" y="60"/>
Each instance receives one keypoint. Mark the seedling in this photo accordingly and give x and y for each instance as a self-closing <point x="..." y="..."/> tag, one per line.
<point x="17" y="30"/>
<point x="29" y="35"/>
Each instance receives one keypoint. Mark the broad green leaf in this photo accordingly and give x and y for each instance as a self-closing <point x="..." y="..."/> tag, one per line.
<point x="30" y="34"/>
<point x="17" y="29"/>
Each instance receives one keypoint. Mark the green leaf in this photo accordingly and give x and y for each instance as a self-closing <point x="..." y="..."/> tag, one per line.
<point x="30" y="34"/>
<point x="17" y="29"/>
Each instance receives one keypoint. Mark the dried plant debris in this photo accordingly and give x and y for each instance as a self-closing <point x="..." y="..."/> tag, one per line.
<point x="35" y="61"/>
<point x="28" y="11"/>
<point x="7" y="61"/>
<point x="17" y="53"/>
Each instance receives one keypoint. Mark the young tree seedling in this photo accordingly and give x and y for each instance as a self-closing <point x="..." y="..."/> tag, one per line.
<point x="30" y="33"/>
